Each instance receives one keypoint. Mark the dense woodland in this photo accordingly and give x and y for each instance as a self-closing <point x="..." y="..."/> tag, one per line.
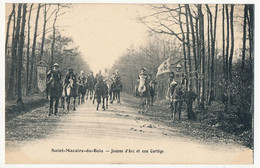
<point x="215" y="45"/>
<point x="32" y="36"/>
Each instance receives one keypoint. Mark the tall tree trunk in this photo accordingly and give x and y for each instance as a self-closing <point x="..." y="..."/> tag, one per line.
<point x="31" y="84"/>
<point x="14" y="55"/>
<point x="199" y="59"/>
<point x="251" y="39"/>
<point x="193" y="46"/>
<point x="208" y="65"/>
<point x="223" y="39"/>
<point x="28" y="51"/>
<point x="188" y="46"/>
<point x="227" y="47"/>
<point x="213" y="40"/>
<point x="6" y="46"/>
<point x="213" y="37"/>
<point x="53" y="36"/>
<point x="244" y="39"/>
<point x="7" y="30"/>
<point x="20" y="59"/>
<point x="232" y="42"/>
<point x="183" y="42"/>
<point x="201" y="21"/>
<point x="43" y="31"/>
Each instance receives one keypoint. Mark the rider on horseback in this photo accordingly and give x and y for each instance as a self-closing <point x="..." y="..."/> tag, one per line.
<point x="70" y="76"/>
<point x="116" y="79"/>
<point x="82" y="78"/>
<point x="142" y="75"/>
<point x="54" y="75"/>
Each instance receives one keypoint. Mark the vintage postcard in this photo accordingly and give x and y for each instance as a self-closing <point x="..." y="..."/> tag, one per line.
<point x="117" y="83"/>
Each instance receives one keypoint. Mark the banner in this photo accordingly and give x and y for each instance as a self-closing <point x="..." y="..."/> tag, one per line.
<point x="41" y="77"/>
<point x="164" y="67"/>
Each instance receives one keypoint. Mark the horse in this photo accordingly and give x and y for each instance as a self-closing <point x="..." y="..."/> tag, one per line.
<point x="54" y="89"/>
<point x="101" y="92"/>
<point x="90" y="89"/>
<point x="176" y="96"/>
<point x="144" y="94"/>
<point x="114" y="92"/>
<point x="71" y="90"/>
<point x="82" y="87"/>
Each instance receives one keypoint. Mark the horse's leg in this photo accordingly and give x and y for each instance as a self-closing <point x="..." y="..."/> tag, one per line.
<point x="51" y="106"/>
<point x="47" y="92"/>
<point x="98" y="101"/>
<point x="79" y="99"/>
<point x="93" y="101"/>
<point x="68" y="103"/>
<point x="103" y="102"/>
<point x="86" y="94"/>
<point x="63" y="102"/>
<point x="56" y="105"/>
<point x="152" y="101"/>
<point x="172" y="109"/>
<point x="119" y="97"/>
<point x="107" y="102"/>
<point x="180" y="108"/>
<point x="74" y="103"/>
<point x="175" y="109"/>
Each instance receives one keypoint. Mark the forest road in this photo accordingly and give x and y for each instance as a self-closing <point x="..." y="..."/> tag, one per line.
<point x="120" y="135"/>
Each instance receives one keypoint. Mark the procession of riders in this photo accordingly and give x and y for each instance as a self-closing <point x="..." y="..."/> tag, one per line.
<point x="103" y="87"/>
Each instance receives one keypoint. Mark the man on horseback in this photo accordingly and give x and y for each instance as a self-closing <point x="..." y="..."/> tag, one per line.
<point x="54" y="86"/>
<point x="116" y="79"/>
<point x="142" y="75"/>
<point x="82" y="78"/>
<point x="54" y="74"/>
<point x="70" y="76"/>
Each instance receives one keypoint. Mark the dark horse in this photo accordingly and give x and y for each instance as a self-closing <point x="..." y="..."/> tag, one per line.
<point x="115" y="89"/>
<point x="101" y="92"/>
<point x="177" y="98"/>
<point x="82" y="87"/>
<point x="55" y="89"/>
<point x="69" y="91"/>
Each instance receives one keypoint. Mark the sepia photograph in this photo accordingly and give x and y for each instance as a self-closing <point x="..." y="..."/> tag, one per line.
<point x="129" y="83"/>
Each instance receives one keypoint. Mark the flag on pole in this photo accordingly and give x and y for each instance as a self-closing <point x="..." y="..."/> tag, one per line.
<point x="164" y="67"/>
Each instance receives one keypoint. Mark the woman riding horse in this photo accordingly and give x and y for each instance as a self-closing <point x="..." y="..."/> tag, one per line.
<point x="54" y="86"/>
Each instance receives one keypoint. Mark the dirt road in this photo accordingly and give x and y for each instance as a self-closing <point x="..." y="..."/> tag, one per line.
<point x="117" y="135"/>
